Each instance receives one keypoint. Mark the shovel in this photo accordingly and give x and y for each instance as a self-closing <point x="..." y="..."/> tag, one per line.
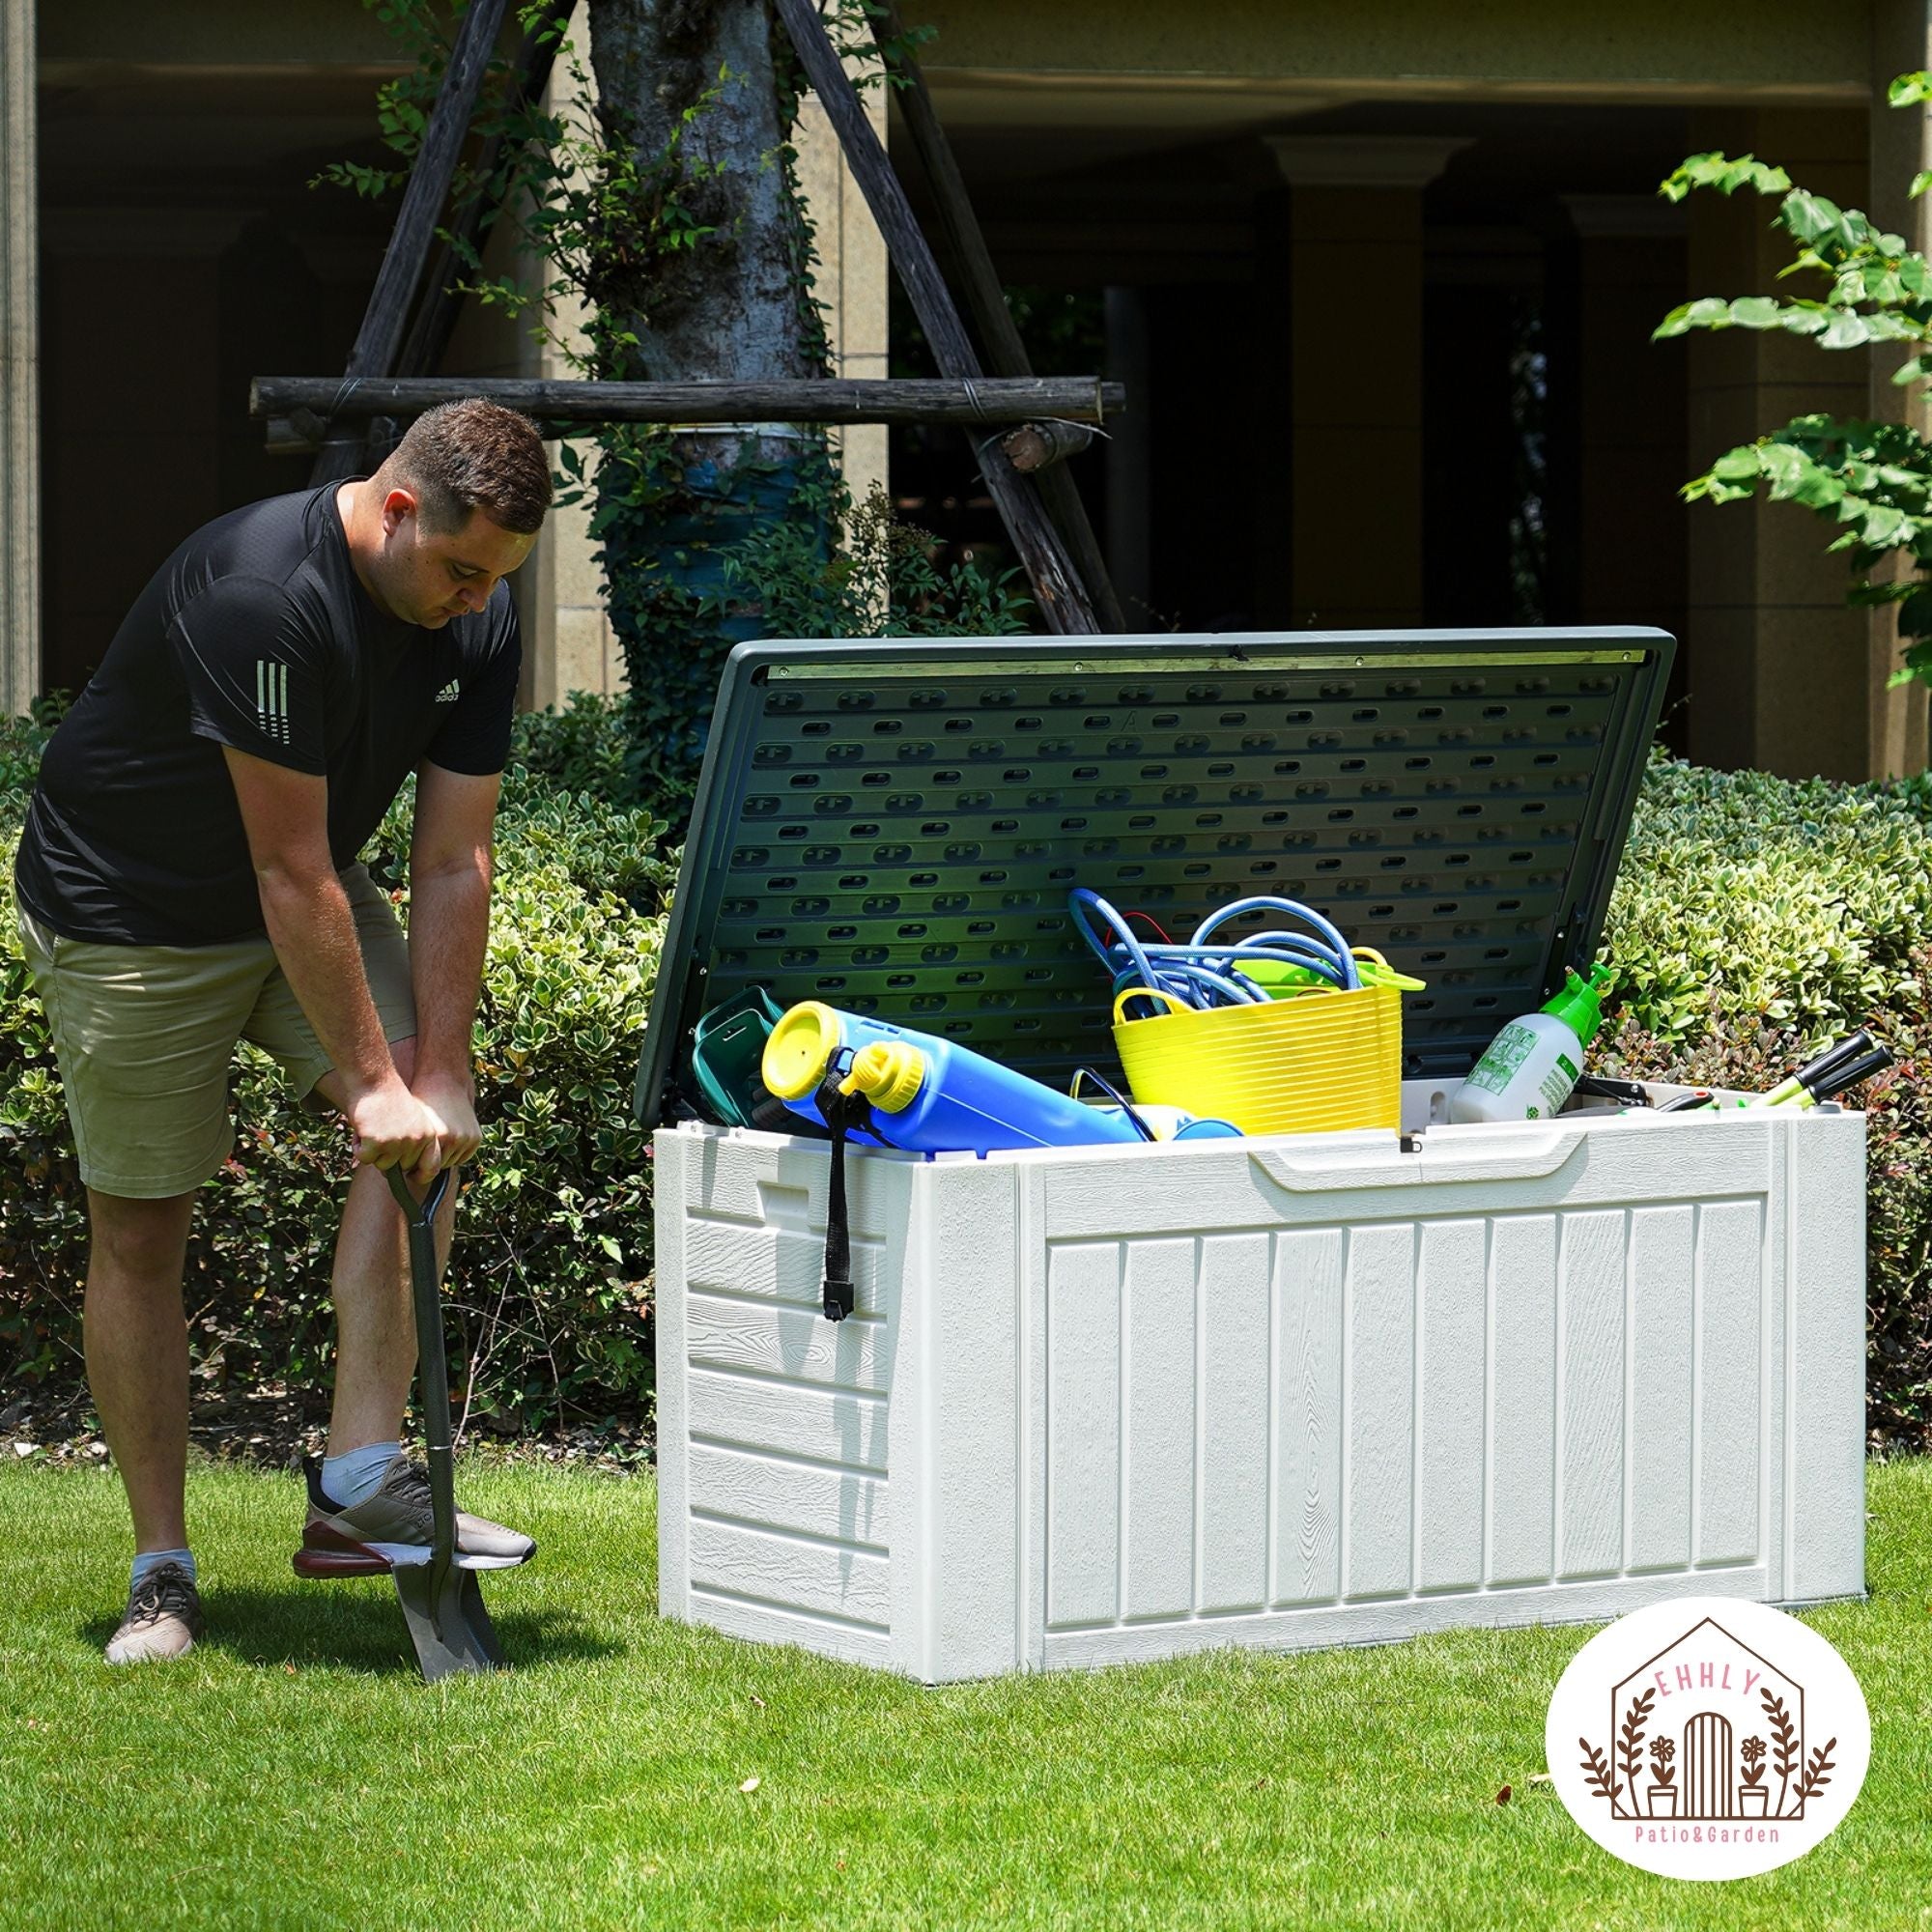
<point x="441" y="1600"/>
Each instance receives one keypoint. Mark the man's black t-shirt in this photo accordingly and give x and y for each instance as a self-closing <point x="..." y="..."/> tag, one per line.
<point x="256" y="634"/>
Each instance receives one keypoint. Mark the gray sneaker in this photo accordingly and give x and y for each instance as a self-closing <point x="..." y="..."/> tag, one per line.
<point x="393" y="1527"/>
<point x="164" y="1618"/>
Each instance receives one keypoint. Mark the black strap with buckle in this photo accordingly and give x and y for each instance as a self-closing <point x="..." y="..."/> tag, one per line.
<point x="842" y="1113"/>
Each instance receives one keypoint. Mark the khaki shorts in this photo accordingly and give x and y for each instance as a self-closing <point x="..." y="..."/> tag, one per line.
<point x="145" y="1035"/>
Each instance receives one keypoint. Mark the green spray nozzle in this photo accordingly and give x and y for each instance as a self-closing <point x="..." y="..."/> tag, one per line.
<point x="1579" y="1004"/>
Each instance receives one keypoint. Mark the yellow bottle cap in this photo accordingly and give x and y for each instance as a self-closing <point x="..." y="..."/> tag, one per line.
<point x="800" y="1049"/>
<point x="889" y="1073"/>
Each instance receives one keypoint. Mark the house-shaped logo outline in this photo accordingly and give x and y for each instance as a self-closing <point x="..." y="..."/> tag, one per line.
<point x="1637" y="1813"/>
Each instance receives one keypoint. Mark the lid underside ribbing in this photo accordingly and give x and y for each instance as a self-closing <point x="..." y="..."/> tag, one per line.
<point x="893" y="828"/>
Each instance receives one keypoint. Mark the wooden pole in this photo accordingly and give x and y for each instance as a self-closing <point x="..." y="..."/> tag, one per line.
<point x="428" y="186"/>
<point x="986" y="298"/>
<point x="437" y="310"/>
<point x="1036" y="447"/>
<point x="1056" y="582"/>
<point x="987" y="401"/>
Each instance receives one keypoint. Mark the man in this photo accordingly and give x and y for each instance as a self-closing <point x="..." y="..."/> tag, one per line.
<point x="189" y="878"/>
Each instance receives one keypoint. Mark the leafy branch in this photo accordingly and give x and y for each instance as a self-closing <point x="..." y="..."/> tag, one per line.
<point x="1872" y="480"/>
<point x="1597" y="1771"/>
<point x="1816" y="1776"/>
<point x="1785" y="1754"/>
<point x="1630" y="1746"/>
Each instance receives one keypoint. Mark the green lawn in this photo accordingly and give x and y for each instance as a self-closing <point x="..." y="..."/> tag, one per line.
<point x="294" y="1773"/>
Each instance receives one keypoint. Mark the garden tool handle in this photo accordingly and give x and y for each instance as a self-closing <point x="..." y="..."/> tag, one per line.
<point x="431" y="1364"/>
<point x="413" y="1209"/>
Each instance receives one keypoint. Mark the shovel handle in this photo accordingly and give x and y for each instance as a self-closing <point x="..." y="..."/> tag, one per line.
<point x="425" y="1210"/>
<point x="431" y="1364"/>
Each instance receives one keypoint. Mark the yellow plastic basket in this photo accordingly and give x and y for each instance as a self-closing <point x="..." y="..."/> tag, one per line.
<point x="1313" y="1063"/>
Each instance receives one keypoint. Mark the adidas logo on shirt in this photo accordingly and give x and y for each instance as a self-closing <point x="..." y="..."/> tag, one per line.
<point x="450" y="691"/>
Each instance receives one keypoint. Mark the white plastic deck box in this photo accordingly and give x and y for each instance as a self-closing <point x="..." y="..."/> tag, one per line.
<point x="1110" y="1403"/>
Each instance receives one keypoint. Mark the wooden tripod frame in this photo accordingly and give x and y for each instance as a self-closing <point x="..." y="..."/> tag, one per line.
<point x="1037" y="501"/>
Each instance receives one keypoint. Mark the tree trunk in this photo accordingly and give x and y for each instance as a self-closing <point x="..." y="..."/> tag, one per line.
<point x="706" y="277"/>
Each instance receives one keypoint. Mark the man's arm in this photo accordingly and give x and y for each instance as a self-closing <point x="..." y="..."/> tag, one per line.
<point x="449" y="930"/>
<point x="285" y="814"/>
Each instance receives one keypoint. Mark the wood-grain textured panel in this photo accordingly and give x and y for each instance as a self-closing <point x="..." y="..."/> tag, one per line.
<point x="1235" y="1377"/>
<point x="798" y="1343"/>
<point x="1310" y="1266"/>
<point x="778" y="1264"/>
<point x="1379" y="1445"/>
<point x="756" y="1487"/>
<point x="1663" y="1294"/>
<point x="1451" y="1376"/>
<point x="1730" y="1377"/>
<point x="789" y="1417"/>
<point x="1591" y="1531"/>
<point x="1082" y="1422"/>
<point x="1522" y="1499"/>
<point x="781" y="1570"/>
<point x="1157" y="1463"/>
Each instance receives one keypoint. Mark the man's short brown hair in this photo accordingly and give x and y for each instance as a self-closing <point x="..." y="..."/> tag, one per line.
<point x="474" y="455"/>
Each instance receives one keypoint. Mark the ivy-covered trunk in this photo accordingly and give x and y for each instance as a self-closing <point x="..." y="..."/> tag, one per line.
<point x="711" y="280"/>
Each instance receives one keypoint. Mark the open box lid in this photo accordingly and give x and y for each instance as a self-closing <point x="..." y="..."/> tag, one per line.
<point x="892" y="826"/>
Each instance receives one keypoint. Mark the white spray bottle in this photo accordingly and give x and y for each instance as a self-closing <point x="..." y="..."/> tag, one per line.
<point x="1535" y="1060"/>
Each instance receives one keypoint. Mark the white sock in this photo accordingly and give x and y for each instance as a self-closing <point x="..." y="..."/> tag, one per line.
<point x="347" y="1480"/>
<point x="147" y="1560"/>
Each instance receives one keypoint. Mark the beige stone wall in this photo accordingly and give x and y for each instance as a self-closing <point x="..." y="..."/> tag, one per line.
<point x="1787" y="50"/>
<point x="19" y="365"/>
<point x="216" y="34"/>
<point x="568" y="642"/>
<point x="852" y="277"/>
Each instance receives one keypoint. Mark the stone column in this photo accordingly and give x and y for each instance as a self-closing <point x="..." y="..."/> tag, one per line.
<point x="852" y="277"/>
<point x="19" y="379"/>
<point x="1622" y="409"/>
<point x="568" y="642"/>
<point x="1351" y="443"/>
<point x="1615" y="531"/>
<point x="1781" y="668"/>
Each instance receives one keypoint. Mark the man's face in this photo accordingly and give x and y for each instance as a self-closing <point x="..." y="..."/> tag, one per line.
<point x="428" y="577"/>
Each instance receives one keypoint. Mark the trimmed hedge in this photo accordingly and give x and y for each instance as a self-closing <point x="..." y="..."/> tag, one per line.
<point x="1745" y="898"/>
<point x="1754" y="919"/>
<point x="550" y="1286"/>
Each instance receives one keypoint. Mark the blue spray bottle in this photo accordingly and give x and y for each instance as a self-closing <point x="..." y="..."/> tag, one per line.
<point x="927" y="1096"/>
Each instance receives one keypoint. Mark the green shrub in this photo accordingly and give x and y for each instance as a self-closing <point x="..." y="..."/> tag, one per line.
<point x="548" y="1291"/>
<point x="1754" y="920"/>
<point x="579" y="747"/>
<point x="22" y="740"/>
<point x="1746" y="898"/>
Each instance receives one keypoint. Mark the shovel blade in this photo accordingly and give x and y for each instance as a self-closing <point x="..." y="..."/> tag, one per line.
<point x="448" y="1625"/>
